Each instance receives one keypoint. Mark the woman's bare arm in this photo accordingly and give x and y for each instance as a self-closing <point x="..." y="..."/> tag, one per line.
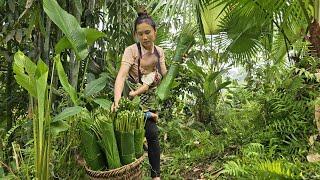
<point x="142" y="89"/>
<point x="163" y="69"/>
<point x="119" y="83"/>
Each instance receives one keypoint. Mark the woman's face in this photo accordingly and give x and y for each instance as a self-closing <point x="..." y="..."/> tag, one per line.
<point x="146" y="35"/>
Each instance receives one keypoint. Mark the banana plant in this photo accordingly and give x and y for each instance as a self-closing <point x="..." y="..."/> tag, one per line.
<point x="206" y="86"/>
<point x="33" y="77"/>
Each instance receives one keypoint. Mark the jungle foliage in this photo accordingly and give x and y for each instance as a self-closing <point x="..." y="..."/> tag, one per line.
<point x="59" y="60"/>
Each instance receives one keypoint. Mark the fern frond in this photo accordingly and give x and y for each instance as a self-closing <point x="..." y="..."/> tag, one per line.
<point x="235" y="169"/>
<point x="253" y="150"/>
<point x="273" y="170"/>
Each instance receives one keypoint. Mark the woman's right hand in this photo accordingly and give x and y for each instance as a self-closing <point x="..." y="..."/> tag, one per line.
<point x="114" y="107"/>
<point x="119" y="84"/>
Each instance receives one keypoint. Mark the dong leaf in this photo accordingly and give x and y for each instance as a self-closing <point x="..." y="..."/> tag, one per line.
<point x="22" y="63"/>
<point x="69" y="26"/>
<point x="104" y="103"/>
<point x="91" y="36"/>
<point x="66" y="113"/>
<point x="64" y="81"/>
<point x="95" y="86"/>
<point x="58" y="127"/>
<point x="25" y="81"/>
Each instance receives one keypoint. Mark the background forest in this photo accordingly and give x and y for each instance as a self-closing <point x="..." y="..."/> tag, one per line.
<point x="214" y="124"/>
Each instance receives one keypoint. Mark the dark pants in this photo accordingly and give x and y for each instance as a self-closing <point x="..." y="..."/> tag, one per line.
<point x="152" y="135"/>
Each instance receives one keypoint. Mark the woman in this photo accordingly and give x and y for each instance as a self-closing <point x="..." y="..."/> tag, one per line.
<point x="145" y="32"/>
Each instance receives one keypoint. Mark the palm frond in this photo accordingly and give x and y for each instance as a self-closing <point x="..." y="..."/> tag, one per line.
<point x="251" y="25"/>
<point x="278" y="49"/>
<point x="173" y="8"/>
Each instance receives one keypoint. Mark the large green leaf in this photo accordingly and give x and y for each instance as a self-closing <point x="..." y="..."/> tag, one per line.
<point x="24" y="62"/>
<point x="41" y="85"/>
<point x="66" y="113"/>
<point x="25" y="81"/>
<point x="58" y="127"/>
<point x="104" y="103"/>
<point x="96" y="86"/>
<point x="91" y="35"/>
<point x="42" y="68"/>
<point x="170" y="8"/>
<point x="210" y="17"/>
<point x="69" y="26"/>
<point x="21" y="62"/>
<point x="64" y="80"/>
<point x="63" y="44"/>
<point x="185" y="42"/>
<point x="166" y="84"/>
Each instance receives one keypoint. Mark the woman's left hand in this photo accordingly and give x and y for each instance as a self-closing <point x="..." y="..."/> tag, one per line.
<point x="132" y="94"/>
<point x="155" y="117"/>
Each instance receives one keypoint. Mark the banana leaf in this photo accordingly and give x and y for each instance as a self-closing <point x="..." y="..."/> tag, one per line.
<point x="185" y="42"/>
<point x="125" y="141"/>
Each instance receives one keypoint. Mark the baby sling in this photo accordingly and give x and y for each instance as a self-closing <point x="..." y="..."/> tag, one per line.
<point x="156" y="52"/>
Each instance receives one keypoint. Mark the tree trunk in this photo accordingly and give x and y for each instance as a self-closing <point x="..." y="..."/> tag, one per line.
<point x="74" y="63"/>
<point x="317" y="10"/>
<point x="9" y="118"/>
<point x="46" y="46"/>
<point x="317" y="74"/>
<point x="9" y="81"/>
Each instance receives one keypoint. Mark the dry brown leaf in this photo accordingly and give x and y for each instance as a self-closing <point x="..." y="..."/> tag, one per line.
<point x="19" y="35"/>
<point x="196" y="169"/>
<point x="313" y="158"/>
<point x="312" y="139"/>
<point x="210" y="168"/>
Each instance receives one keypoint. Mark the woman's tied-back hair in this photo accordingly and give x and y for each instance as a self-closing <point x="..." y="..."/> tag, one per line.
<point x="143" y="17"/>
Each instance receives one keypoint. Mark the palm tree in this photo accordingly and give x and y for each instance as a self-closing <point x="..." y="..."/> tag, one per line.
<point x="268" y="25"/>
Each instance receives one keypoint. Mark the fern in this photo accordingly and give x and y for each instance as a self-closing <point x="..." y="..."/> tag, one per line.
<point x="253" y="150"/>
<point x="273" y="170"/>
<point x="235" y="169"/>
<point x="251" y="166"/>
<point x="12" y="130"/>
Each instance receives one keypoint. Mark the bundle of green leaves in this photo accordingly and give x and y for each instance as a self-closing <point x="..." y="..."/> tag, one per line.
<point x="104" y="130"/>
<point x="124" y="129"/>
<point x="129" y="129"/>
<point x="90" y="150"/>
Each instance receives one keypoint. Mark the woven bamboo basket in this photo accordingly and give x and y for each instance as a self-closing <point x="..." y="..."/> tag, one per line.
<point x="130" y="171"/>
